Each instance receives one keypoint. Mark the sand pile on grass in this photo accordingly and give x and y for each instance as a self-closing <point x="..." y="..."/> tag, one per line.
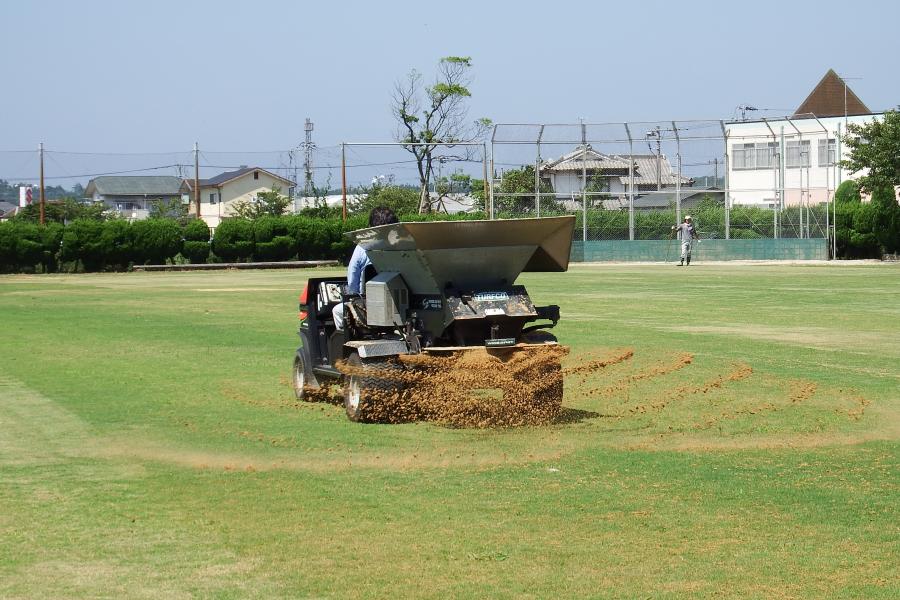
<point x="476" y="388"/>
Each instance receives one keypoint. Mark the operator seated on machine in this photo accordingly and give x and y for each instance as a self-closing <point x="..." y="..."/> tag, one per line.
<point x="359" y="261"/>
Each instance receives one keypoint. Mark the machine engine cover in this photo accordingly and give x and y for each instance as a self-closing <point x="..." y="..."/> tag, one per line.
<point x="387" y="300"/>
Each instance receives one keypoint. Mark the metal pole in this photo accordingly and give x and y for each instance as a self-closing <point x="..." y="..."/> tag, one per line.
<point x="484" y="167"/>
<point x="537" y="175"/>
<point x="839" y="173"/>
<point x="827" y="183"/>
<point x="727" y="182"/>
<point x="678" y="180"/>
<point x="583" y="182"/>
<point x="782" y="158"/>
<point x="491" y="196"/>
<point x="344" y="181"/>
<point x="774" y="180"/>
<point x="41" y="151"/>
<point x="630" y="183"/>
<point x="197" y="178"/>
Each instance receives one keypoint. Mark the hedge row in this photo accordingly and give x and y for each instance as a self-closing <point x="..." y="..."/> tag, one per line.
<point x="863" y="230"/>
<point x="116" y="245"/>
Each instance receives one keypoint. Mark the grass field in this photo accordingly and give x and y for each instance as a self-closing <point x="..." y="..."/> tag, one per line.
<point x="150" y="447"/>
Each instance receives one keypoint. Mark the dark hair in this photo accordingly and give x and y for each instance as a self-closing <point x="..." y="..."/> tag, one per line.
<point x="381" y="215"/>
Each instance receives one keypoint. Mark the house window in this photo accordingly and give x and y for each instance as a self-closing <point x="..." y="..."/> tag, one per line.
<point x="754" y="156"/>
<point x="827" y="152"/>
<point x="255" y="174"/>
<point x="796" y="154"/>
<point x="213" y="197"/>
<point x="744" y="156"/>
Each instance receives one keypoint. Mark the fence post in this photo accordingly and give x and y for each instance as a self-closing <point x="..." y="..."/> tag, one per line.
<point x="678" y="180"/>
<point x="727" y="183"/>
<point x="484" y="167"/>
<point x="630" y="184"/>
<point x="491" y="188"/>
<point x="537" y="175"/>
<point x="583" y="182"/>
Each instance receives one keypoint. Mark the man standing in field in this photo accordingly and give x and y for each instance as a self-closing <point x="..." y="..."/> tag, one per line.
<point x="687" y="233"/>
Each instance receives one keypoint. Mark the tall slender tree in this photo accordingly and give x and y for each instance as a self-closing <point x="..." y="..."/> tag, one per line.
<point x="430" y="118"/>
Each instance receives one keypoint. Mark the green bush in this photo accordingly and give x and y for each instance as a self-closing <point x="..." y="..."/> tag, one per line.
<point x="116" y="244"/>
<point x="196" y="231"/>
<point x="280" y="248"/>
<point x="273" y="240"/>
<point x="233" y="241"/>
<point x="81" y="244"/>
<point x="156" y="240"/>
<point x="8" y="237"/>
<point x="847" y="192"/>
<point x="196" y="241"/>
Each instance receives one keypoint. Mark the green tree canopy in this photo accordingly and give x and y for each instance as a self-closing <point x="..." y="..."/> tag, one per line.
<point x="875" y="146"/>
<point x="430" y="115"/>
<point x="270" y="203"/>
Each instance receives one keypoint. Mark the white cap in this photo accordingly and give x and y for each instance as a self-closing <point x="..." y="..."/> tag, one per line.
<point x="688" y="217"/>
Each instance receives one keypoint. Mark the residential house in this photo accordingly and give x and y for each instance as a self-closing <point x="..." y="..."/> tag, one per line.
<point x="611" y="175"/>
<point x="133" y="195"/>
<point x="219" y="194"/>
<point x="795" y="160"/>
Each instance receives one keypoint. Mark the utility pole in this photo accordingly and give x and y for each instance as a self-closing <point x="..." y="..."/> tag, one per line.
<point x="41" y="150"/>
<point x="197" y="178"/>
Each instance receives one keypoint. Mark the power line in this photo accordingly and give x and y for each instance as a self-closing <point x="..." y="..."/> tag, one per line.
<point x="29" y="178"/>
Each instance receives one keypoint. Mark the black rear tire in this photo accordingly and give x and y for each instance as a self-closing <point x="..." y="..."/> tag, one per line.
<point x="371" y="394"/>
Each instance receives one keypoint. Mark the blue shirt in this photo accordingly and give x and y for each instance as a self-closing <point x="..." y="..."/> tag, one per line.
<point x="358" y="263"/>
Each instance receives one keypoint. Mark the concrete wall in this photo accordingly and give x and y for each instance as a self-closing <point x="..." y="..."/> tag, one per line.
<point x="670" y="250"/>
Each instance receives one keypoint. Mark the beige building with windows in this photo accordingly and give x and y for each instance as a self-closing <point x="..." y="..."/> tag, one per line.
<point x="219" y="194"/>
<point x="795" y="160"/>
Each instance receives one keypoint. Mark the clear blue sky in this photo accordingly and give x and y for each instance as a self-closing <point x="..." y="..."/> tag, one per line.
<point x="158" y="75"/>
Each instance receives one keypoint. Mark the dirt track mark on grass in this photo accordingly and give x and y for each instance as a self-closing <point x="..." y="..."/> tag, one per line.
<point x="590" y="366"/>
<point x="801" y="391"/>
<point x="739" y="372"/>
<point x="659" y="369"/>
<point x="810" y="337"/>
<point x="547" y="448"/>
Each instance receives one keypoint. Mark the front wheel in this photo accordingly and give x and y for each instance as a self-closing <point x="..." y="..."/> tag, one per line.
<point x="373" y="390"/>
<point x="301" y="382"/>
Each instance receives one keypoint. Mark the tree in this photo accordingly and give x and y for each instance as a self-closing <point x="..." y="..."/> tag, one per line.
<point x="875" y="146"/>
<point x="402" y="200"/>
<point x="515" y="194"/>
<point x="171" y="208"/>
<point x="434" y="116"/>
<point x="269" y="203"/>
<point x="65" y="211"/>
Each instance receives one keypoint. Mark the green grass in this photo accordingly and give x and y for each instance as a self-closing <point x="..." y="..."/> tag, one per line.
<point x="150" y="447"/>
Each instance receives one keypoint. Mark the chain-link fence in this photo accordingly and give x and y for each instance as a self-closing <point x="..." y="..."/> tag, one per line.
<point x="623" y="181"/>
<point x="632" y="181"/>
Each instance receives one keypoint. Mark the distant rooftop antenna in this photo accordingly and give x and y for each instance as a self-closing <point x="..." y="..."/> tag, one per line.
<point x="307" y="157"/>
<point x="744" y="108"/>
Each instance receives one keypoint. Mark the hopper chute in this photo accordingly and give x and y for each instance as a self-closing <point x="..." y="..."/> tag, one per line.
<point x="468" y="254"/>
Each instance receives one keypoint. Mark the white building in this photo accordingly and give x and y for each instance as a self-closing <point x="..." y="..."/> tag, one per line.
<point x="219" y="194"/>
<point x="795" y="160"/>
<point x="609" y="175"/>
